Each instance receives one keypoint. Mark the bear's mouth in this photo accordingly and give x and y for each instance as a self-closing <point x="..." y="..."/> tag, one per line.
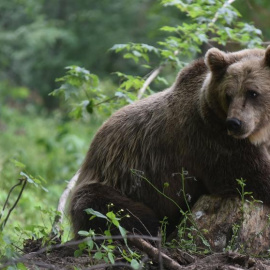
<point x="239" y="136"/>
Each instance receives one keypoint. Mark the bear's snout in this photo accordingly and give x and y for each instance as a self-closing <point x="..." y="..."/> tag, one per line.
<point x="233" y="125"/>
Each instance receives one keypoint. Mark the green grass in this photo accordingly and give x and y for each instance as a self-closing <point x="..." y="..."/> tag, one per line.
<point x="51" y="147"/>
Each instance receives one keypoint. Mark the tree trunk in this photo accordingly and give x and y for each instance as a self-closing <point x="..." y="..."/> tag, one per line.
<point x="229" y="223"/>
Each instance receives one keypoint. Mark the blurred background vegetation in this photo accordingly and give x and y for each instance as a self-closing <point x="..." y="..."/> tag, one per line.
<point x="38" y="40"/>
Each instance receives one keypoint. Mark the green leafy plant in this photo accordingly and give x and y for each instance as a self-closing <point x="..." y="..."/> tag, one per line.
<point x="105" y="250"/>
<point x="82" y="91"/>
<point x="207" y="23"/>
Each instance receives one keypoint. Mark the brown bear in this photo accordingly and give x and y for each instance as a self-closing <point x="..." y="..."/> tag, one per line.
<point x="213" y="125"/>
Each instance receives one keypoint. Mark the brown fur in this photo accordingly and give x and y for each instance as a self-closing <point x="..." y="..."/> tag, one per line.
<point x="182" y="127"/>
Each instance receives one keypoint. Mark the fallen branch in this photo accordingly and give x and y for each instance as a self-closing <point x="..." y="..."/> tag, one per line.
<point x="155" y="254"/>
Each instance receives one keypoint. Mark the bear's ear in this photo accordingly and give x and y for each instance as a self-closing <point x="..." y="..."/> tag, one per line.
<point x="217" y="61"/>
<point x="267" y="56"/>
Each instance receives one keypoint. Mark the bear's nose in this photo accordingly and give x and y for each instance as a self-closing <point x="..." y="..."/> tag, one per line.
<point x="233" y="124"/>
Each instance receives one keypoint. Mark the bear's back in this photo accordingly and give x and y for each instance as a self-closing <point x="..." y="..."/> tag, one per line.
<point x="143" y="135"/>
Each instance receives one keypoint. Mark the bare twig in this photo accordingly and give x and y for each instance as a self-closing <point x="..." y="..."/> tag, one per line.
<point x="186" y="258"/>
<point x="24" y="181"/>
<point x="6" y="202"/>
<point x="149" y="80"/>
<point x="42" y="264"/>
<point x="104" y="101"/>
<point x="160" y="259"/>
<point x="62" y="203"/>
<point x="139" y="221"/>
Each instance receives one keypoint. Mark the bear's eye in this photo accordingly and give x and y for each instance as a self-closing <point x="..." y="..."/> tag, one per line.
<point x="252" y="94"/>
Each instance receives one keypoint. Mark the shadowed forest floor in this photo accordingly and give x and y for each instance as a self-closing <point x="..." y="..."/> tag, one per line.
<point x="171" y="259"/>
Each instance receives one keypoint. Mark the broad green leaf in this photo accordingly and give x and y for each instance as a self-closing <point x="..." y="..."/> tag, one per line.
<point x="83" y="233"/>
<point x="91" y="211"/>
<point x="78" y="253"/>
<point x="134" y="264"/>
<point x="113" y="218"/>
<point x="90" y="244"/>
<point x="98" y="255"/>
<point x="21" y="266"/>
<point x="123" y="232"/>
<point x="111" y="257"/>
<point x="118" y="47"/>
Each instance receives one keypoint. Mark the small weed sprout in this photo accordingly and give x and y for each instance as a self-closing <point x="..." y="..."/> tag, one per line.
<point x="106" y="250"/>
<point x="232" y="245"/>
<point x="242" y="183"/>
<point x="236" y="228"/>
<point x="163" y="228"/>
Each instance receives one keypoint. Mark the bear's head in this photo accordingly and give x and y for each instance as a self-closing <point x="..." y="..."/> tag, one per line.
<point x="237" y="90"/>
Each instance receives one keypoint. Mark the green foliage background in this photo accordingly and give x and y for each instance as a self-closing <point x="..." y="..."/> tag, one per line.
<point x="40" y="38"/>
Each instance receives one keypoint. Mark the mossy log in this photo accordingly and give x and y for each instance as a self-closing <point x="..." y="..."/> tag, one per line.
<point x="227" y="222"/>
